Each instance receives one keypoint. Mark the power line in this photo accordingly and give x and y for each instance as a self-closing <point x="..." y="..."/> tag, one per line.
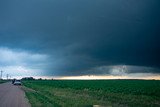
<point x="1" y="73"/>
<point x="7" y="76"/>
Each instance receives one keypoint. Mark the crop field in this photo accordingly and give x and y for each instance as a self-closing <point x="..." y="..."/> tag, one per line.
<point x="86" y="93"/>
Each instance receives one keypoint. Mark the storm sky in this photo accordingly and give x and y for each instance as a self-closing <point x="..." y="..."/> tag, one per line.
<point x="79" y="37"/>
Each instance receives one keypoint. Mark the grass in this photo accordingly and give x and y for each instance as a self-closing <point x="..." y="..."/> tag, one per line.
<point x="3" y="81"/>
<point x="84" y="93"/>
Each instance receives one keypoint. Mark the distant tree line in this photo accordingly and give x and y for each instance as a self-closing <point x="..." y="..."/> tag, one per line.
<point x="28" y="78"/>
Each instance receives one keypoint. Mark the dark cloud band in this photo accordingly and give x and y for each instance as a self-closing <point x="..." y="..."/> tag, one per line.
<point x="82" y="35"/>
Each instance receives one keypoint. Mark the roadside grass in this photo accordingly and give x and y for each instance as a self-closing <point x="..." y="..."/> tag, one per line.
<point x="65" y="93"/>
<point x="57" y="97"/>
<point x="39" y="100"/>
<point x="3" y="81"/>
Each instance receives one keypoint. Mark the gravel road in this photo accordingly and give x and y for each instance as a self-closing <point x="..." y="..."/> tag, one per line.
<point x="12" y="96"/>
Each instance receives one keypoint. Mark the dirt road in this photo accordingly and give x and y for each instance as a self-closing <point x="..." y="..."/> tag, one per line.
<point x="12" y="96"/>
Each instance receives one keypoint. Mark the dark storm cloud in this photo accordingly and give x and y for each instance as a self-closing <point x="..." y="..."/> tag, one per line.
<point x="80" y="35"/>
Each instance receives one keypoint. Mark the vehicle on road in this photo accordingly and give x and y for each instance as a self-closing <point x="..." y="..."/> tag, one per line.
<point x="17" y="82"/>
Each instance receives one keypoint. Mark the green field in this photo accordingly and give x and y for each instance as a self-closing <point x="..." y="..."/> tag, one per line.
<point x="86" y="93"/>
<point x="2" y="81"/>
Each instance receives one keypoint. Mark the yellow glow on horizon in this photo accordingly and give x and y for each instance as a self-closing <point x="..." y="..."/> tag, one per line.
<point x="144" y="76"/>
<point x="107" y="77"/>
<point x="91" y="77"/>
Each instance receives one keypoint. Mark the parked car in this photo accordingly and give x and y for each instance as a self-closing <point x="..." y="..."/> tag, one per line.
<point x="17" y="82"/>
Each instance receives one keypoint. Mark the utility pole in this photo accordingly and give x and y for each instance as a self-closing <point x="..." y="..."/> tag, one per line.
<point x="1" y="73"/>
<point x="7" y="76"/>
